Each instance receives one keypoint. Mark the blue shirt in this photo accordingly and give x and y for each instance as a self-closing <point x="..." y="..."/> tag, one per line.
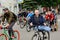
<point x="29" y="15"/>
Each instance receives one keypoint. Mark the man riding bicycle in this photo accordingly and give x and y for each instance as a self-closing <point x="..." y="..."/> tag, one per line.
<point x="38" y="20"/>
<point x="11" y="19"/>
<point x="30" y="13"/>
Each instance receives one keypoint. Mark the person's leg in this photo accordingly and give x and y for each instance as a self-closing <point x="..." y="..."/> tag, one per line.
<point x="55" y="25"/>
<point x="10" y="31"/>
<point x="47" y="28"/>
<point x="20" y="19"/>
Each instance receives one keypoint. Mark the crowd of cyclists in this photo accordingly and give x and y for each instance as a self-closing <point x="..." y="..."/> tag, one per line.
<point x="48" y="15"/>
<point x="40" y="21"/>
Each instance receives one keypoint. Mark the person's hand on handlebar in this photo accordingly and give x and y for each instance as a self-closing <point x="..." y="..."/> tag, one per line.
<point x="44" y="24"/>
<point x="31" y="24"/>
<point x="7" y="25"/>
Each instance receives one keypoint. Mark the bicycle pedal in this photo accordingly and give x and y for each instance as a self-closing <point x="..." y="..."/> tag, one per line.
<point x="13" y="37"/>
<point x="45" y="37"/>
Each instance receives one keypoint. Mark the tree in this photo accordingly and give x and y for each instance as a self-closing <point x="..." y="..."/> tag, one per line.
<point x="29" y="4"/>
<point x="47" y="3"/>
<point x="43" y="3"/>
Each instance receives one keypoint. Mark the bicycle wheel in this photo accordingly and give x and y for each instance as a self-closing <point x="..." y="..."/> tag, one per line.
<point x="17" y="35"/>
<point x="22" y="25"/>
<point x="28" y="28"/>
<point x="47" y="36"/>
<point x="36" y="36"/>
<point x="18" y="23"/>
<point x="3" y="37"/>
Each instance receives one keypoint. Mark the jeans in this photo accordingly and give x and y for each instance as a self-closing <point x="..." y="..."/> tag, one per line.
<point x="10" y="29"/>
<point x="46" y="28"/>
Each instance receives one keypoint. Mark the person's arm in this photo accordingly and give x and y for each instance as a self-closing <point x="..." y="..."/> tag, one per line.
<point x="46" y="17"/>
<point x="28" y="16"/>
<point x="30" y="21"/>
<point x="52" y="17"/>
<point x="3" y="18"/>
<point x="43" y="20"/>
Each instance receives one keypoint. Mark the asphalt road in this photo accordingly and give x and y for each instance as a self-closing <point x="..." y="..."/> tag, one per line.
<point x="24" y="35"/>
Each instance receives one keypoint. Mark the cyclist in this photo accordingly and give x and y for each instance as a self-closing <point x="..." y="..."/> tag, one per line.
<point x="11" y="19"/>
<point x="20" y="15"/>
<point x="55" y="19"/>
<point x="50" y="18"/>
<point x="38" y="20"/>
<point x="30" y="13"/>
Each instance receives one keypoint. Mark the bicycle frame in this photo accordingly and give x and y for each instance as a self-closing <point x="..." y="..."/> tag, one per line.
<point x="5" y="31"/>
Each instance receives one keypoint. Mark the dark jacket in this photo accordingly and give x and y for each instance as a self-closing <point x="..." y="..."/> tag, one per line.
<point x="23" y="14"/>
<point x="37" y="21"/>
<point x="10" y="17"/>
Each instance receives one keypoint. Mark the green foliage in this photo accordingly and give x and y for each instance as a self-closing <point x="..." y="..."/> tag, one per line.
<point x="47" y="3"/>
<point x="43" y="3"/>
<point x="29" y="4"/>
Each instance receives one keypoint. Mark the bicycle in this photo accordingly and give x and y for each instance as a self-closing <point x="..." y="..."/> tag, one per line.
<point x="21" y="22"/>
<point x="5" y="36"/>
<point x="28" y="28"/>
<point x="24" y="23"/>
<point x="40" y="35"/>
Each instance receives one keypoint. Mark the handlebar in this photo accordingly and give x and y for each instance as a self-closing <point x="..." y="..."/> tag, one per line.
<point x="3" y="27"/>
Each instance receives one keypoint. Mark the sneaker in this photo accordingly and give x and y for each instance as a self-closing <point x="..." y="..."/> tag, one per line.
<point x="13" y="37"/>
<point x="55" y="29"/>
<point x="51" y="29"/>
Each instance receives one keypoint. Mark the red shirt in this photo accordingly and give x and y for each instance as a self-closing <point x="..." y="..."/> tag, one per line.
<point x="49" y="17"/>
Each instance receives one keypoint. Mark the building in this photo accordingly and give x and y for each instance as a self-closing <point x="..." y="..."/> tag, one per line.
<point x="10" y="4"/>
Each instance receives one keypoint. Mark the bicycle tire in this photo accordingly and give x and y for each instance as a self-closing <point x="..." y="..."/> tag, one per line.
<point x="22" y="25"/>
<point x="6" y="38"/>
<point x="28" y="28"/>
<point x="18" y="23"/>
<point x="38" y="37"/>
<point x="47" y="34"/>
<point x="17" y="34"/>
